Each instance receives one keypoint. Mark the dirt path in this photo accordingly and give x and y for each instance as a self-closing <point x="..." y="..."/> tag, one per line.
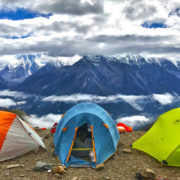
<point x="121" y="166"/>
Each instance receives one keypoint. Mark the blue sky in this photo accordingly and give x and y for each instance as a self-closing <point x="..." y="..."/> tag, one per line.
<point x="20" y="14"/>
<point x="154" y="25"/>
<point x="63" y="29"/>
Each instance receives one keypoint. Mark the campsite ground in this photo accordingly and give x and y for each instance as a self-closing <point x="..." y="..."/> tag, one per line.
<point x="122" y="166"/>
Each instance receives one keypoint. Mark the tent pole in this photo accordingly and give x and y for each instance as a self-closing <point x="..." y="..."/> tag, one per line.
<point x="72" y="144"/>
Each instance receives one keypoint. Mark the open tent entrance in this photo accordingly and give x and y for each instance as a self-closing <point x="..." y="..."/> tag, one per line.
<point x="83" y="148"/>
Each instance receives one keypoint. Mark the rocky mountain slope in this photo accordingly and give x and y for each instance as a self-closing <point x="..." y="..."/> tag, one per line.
<point x="3" y="84"/>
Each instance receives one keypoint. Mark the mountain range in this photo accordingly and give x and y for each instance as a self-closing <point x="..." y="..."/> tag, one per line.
<point x="103" y="75"/>
<point x="124" y="86"/>
<point x="99" y="75"/>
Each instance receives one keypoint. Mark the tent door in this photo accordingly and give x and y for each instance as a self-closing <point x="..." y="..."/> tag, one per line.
<point x="83" y="147"/>
<point x="72" y="144"/>
<point x="94" y="151"/>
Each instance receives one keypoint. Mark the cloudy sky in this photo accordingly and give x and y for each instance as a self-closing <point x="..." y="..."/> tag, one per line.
<point x="73" y="28"/>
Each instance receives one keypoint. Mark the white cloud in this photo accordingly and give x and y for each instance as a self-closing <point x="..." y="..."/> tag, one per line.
<point x="77" y="7"/>
<point x="6" y="103"/>
<point x="21" y="102"/>
<point x="46" y="121"/>
<point x="65" y="33"/>
<point x="133" y="121"/>
<point x="8" y="59"/>
<point x="164" y="99"/>
<point x="133" y="100"/>
<point x="130" y="99"/>
<point x="14" y="94"/>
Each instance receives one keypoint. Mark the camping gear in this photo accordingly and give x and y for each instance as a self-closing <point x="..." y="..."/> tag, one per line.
<point x="85" y="136"/>
<point x="53" y="129"/>
<point x="162" y="140"/>
<point x="122" y="128"/>
<point x="16" y="136"/>
<point x="41" y="166"/>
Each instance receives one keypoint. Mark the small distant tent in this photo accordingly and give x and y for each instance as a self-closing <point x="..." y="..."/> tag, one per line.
<point x="85" y="136"/>
<point x="162" y="141"/>
<point x="16" y="136"/>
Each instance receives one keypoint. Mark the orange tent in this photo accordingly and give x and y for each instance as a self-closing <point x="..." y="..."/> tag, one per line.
<point x="16" y="136"/>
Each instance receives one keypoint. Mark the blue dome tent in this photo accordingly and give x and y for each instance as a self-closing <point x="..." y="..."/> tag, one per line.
<point x="85" y="136"/>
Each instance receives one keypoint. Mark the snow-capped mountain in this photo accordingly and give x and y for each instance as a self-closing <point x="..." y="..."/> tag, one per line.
<point x="104" y="75"/>
<point x="42" y="79"/>
<point x="16" y="73"/>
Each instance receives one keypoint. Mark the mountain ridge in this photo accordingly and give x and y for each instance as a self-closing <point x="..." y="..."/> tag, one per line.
<point x="104" y="75"/>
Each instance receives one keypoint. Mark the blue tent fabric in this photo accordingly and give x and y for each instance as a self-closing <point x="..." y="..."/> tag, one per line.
<point x="105" y="139"/>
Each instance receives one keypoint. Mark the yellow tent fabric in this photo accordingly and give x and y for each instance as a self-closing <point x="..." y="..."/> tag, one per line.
<point x="162" y="141"/>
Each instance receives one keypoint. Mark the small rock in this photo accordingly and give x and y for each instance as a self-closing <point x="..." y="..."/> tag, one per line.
<point x="21" y="175"/>
<point x="150" y="173"/>
<point x="74" y="178"/>
<point x="28" y="169"/>
<point x="57" y="175"/>
<point x="108" y="178"/>
<point x="65" y="167"/>
<point x="127" y="150"/>
<point x="141" y="176"/>
<point x="46" y="137"/>
<point x="58" y="169"/>
<point x="7" y="174"/>
<point x="12" y="166"/>
<point x="100" y="167"/>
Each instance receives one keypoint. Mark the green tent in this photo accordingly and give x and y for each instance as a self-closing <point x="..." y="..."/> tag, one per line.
<point x="162" y="141"/>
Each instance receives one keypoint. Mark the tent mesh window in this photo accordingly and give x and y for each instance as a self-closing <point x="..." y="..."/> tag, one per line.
<point x="83" y="146"/>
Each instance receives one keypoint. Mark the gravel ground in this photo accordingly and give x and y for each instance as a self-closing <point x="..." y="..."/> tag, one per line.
<point x="121" y="166"/>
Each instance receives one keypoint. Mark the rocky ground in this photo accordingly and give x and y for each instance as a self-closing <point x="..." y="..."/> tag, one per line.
<point x="124" y="165"/>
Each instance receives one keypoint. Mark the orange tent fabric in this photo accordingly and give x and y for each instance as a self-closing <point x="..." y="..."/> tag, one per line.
<point x="16" y="136"/>
<point x="6" y="119"/>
